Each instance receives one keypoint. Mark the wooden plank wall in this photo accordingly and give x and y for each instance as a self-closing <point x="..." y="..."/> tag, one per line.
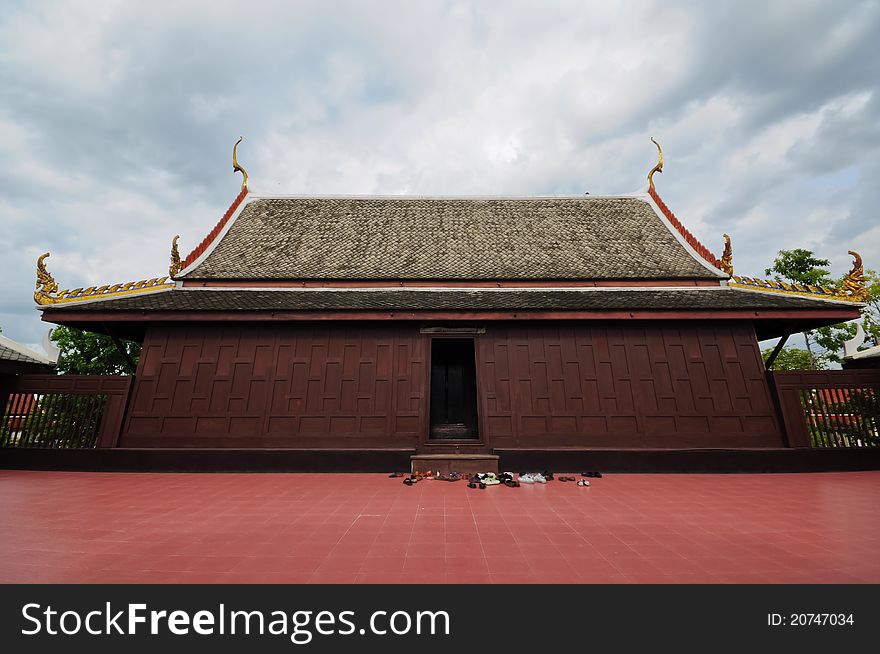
<point x="642" y="385"/>
<point x="278" y="385"/>
<point x="613" y="384"/>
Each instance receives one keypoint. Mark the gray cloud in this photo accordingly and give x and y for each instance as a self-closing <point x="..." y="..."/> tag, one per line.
<point x="117" y="120"/>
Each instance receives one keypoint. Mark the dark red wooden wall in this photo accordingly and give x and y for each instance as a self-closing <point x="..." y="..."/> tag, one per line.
<point x="278" y="385"/>
<point x="601" y="384"/>
<point x="651" y="385"/>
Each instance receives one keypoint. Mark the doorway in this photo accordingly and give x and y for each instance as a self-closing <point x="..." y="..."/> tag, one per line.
<point x="453" y="390"/>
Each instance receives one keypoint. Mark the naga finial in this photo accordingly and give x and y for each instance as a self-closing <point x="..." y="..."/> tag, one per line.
<point x="727" y="257"/>
<point x="658" y="168"/>
<point x="175" y="258"/>
<point x="236" y="168"/>
<point x="46" y="286"/>
<point x="854" y="286"/>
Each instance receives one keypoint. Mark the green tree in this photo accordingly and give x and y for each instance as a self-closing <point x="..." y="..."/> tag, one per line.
<point x="87" y="353"/>
<point x="793" y="358"/>
<point x="800" y="266"/>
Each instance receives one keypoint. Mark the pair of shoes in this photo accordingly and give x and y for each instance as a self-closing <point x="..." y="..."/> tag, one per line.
<point x="513" y="483"/>
<point x="395" y="474"/>
<point x="591" y="474"/>
<point x="477" y="484"/>
<point x="532" y="478"/>
<point x="566" y="478"/>
<point x="409" y="481"/>
<point x="490" y="479"/>
<point x="584" y="482"/>
<point x="505" y="476"/>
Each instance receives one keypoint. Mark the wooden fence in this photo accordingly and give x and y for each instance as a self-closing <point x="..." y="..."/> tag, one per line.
<point x="829" y="408"/>
<point x="63" y="411"/>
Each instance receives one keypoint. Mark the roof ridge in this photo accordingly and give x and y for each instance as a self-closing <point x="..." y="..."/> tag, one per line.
<point x="692" y="240"/>
<point x="201" y="247"/>
<point x="47" y="292"/>
<point x="803" y="290"/>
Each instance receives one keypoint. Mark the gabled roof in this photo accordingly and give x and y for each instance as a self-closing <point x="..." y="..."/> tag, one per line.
<point x="869" y="353"/>
<point x="14" y="351"/>
<point x="448" y="238"/>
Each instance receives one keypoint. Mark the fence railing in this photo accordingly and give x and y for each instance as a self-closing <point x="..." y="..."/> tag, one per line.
<point x="830" y="408"/>
<point x="63" y="411"/>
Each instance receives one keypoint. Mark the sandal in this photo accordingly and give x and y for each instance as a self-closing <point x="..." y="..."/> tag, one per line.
<point x="584" y="482"/>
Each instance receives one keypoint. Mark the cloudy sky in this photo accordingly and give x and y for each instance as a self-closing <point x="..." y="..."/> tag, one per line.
<point x="117" y="118"/>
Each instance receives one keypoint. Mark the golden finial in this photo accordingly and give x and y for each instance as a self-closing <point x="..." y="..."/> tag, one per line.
<point x="727" y="257"/>
<point x="46" y="286"/>
<point x="658" y="168"/>
<point x="235" y="167"/>
<point x="854" y="286"/>
<point x="175" y="257"/>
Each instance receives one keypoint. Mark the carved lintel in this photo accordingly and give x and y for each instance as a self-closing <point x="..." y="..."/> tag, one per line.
<point x="727" y="257"/>
<point x="658" y="168"/>
<point x="175" y="258"/>
<point x="854" y="286"/>
<point x="47" y="292"/>
<point x="236" y="168"/>
<point x="46" y="288"/>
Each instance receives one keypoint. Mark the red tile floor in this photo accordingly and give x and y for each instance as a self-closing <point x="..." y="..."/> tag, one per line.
<point x="367" y="528"/>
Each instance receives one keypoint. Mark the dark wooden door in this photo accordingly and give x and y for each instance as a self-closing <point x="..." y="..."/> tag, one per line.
<point x="453" y="389"/>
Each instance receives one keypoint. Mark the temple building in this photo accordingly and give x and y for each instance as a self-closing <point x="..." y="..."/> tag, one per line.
<point x="524" y="328"/>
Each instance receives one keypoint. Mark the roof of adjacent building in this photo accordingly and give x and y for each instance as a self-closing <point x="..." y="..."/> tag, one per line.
<point x="14" y="351"/>
<point x="426" y="299"/>
<point x="434" y="238"/>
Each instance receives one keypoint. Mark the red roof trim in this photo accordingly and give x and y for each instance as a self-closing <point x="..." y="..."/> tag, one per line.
<point x="690" y="238"/>
<point x="201" y="247"/>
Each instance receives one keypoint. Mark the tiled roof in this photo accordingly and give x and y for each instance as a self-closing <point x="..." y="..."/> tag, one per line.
<point x="447" y="238"/>
<point x="206" y="242"/>
<point x="597" y="299"/>
<point x="686" y="235"/>
<point x="12" y="351"/>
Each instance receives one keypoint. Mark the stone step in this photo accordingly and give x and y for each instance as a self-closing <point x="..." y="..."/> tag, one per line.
<point x="464" y="463"/>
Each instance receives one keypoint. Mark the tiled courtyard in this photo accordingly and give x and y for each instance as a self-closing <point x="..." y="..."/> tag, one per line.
<point x="368" y="528"/>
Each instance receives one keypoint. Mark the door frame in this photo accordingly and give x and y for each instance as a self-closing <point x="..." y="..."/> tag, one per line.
<point x="477" y="445"/>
